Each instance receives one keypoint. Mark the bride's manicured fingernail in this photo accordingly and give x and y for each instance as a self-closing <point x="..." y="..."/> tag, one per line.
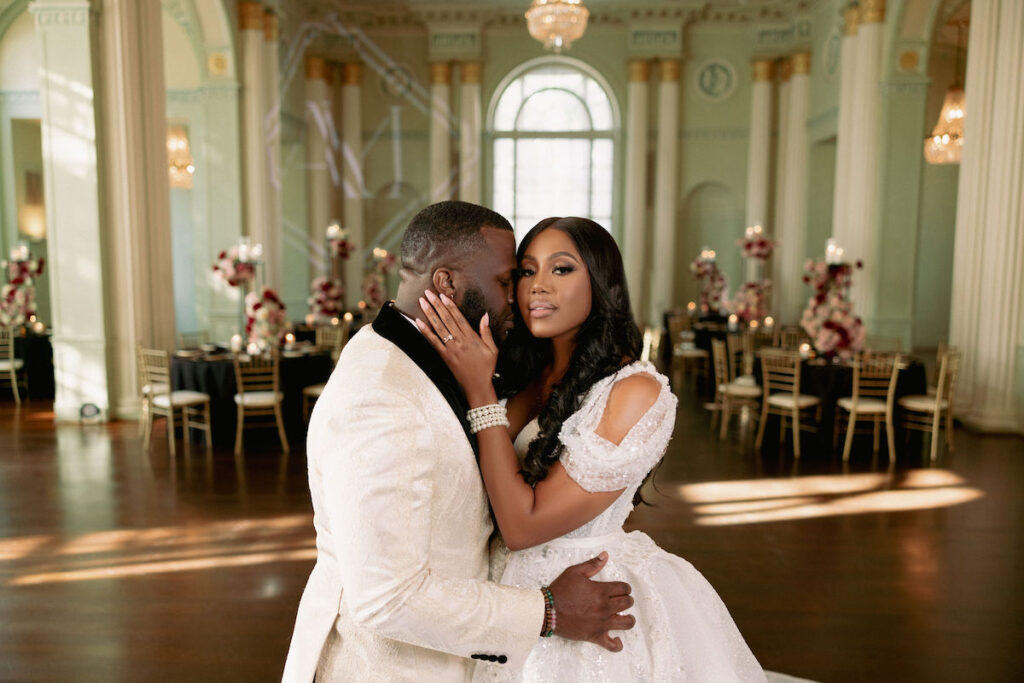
<point x="423" y="303"/>
<point x="444" y="298"/>
<point x="430" y="295"/>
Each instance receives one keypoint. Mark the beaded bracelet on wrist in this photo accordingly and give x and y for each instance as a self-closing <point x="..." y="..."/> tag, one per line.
<point x="492" y="415"/>
<point x="550" y="620"/>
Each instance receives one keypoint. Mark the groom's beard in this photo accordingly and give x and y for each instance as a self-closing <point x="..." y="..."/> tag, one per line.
<point x="474" y="306"/>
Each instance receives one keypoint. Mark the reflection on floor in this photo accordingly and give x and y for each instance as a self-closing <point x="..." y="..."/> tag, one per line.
<point x="116" y="564"/>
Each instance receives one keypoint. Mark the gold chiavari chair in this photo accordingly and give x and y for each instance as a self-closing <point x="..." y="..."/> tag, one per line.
<point x="926" y="413"/>
<point x="334" y="338"/>
<point x="193" y="340"/>
<point x="874" y="343"/>
<point x="730" y="394"/>
<point x="793" y="337"/>
<point x="780" y="370"/>
<point x="740" y="349"/>
<point x="874" y="392"/>
<point x="11" y="366"/>
<point x="940" y="353"/>
<point x="160" y="400"/>
<point x="257" y="378"/>
<point x="684" y="354"/>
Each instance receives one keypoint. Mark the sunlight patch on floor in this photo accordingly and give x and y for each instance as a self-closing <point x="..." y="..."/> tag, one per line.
<point x="773" y="500"/>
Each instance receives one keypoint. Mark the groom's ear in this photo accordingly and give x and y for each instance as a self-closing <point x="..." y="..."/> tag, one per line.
<point x="443" y="282"/>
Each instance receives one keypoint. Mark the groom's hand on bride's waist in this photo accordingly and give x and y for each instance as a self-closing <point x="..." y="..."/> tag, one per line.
<point x="587" y="609"/>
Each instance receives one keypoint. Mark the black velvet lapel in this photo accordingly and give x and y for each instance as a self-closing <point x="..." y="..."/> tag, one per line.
<point x="392" y="326"/>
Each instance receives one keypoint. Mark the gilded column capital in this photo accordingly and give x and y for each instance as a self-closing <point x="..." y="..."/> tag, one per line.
<point x="440" y="73"/>
<point x="785" y="68"/>
<point x="471" y="72"/>
<point x="250" y="16"/>
<point x="269" y="27"/>
<point x="316" y="68"/>
<point x="851" y="19"/>
<point x="352" y="73"/>
<point x="669" y="69"/>
<point x="639" y="71"/>
<point x="872" y="11"/>
<point x="762" y="69"/>
<point x="801" y="62"/>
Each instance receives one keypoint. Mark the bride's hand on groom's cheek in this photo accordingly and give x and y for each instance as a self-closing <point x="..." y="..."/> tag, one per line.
<point x="470" y="354"/>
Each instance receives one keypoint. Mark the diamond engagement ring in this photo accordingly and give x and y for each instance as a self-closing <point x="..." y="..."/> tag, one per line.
<point x="447" y="339"/>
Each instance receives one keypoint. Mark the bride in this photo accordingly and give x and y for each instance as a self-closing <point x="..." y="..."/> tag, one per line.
<point x="564" y="460"/>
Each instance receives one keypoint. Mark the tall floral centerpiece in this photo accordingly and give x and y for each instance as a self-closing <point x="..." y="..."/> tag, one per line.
<point x="711" y="279"/>
<point x="751" y="300"/>
<point x="828" y="318"/>
<point x="266" y="321"/>
<point x="237" y="266"/>
<point x="18" y="295"/>
<point x="375" y="289"/>
<point x="327" y="293"/>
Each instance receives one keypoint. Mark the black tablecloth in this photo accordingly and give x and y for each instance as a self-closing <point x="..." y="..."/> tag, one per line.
<point x="37" y="353"/>
<point x="217" y="378"/>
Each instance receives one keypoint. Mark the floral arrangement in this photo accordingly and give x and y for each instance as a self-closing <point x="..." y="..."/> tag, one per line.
<point x="374" y="284"/>
<point x="339" y="243"/>
<point x="326" y="300"/>
<point x="265" y="319"/>
<point x="749" y="303"/>
<point x="828" y="318"/>
<point x="17" y="304"/>
<point x="23" y="272"/>
<point x="712" y="284"/>
<point x="756" y="246"/>
<point x="232" y="268"/>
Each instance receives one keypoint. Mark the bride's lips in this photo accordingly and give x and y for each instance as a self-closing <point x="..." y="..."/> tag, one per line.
<point x="542" y="309"/>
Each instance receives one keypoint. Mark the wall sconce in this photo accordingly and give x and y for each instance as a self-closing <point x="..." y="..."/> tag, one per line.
<point x="179" y="158"/>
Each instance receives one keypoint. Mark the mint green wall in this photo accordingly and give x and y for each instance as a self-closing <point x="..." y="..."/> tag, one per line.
<point x="820" y="193"/>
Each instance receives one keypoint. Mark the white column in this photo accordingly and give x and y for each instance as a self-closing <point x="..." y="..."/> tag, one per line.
<point x="759" y="155"/>
<point x="440" y="132"/>
<point x="352" y="177"/>
<point x="140" y="300"/>
<point x="781" y="173"/>
<point x="666" y="190"/>
<point x="67" y="85"/>
<point x="470" y="126"/>
<point x="635" y="232"/>
<point x="792" y="233"/>
<point x="987" y="320"/>
<point x="318" y="180"/>
<point x="862" y="209"/>
<point x="253" y="142"/>
<point x="273" y="247"/>
<point x="844" y="133"/>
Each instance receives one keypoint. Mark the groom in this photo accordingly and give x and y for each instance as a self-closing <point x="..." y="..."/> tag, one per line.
<point x="400" y="591"/>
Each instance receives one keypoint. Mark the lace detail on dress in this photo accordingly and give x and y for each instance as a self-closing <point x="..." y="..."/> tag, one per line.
<point x="597" y="464"/>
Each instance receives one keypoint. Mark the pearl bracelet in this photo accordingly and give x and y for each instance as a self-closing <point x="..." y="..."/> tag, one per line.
<point x="481" y="418"/>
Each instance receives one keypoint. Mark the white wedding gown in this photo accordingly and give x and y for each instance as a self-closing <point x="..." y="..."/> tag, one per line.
<point x="683" y="630"/>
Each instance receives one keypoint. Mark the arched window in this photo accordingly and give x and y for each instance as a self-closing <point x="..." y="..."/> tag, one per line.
<point x="552" y="127"/>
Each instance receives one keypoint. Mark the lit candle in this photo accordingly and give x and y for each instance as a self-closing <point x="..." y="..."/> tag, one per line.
<point x="310" y="320"/>
<point x="805" y="350"/>
<point x="253" y="349"/>
<point x="833" y="253"/>
<point x="348" y="316"/>
<point x="753" y="324"/>
<point x="38" y="327"/>
<point x="734" y="322"/>
<point x="769" y="321"/>
<point x="333" y="231"/>
<point x="334" y="321"/>
<point x="236" y="342"/>
<point x="362" y="305"/>
<point x="380" y="253"/>
<point x="289" y="339"/>
<point x="691" y="309"/>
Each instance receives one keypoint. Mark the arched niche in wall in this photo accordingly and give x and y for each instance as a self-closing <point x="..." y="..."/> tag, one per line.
<point x="711" y="215"/>
<point x="202" y="100"/>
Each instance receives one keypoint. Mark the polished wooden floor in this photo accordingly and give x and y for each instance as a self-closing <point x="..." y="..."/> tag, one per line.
<point x="122" y="565"/>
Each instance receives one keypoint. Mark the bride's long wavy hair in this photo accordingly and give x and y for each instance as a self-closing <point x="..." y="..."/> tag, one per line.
<point x="608" y="339"/>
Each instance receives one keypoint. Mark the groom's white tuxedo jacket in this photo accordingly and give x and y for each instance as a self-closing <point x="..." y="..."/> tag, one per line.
<point x="399" y="591"/>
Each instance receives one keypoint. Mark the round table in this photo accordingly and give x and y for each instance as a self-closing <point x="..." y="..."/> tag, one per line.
<point x="216" y="376"/>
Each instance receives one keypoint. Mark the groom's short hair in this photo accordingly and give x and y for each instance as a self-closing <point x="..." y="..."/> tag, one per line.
<point x="445" y="232"/>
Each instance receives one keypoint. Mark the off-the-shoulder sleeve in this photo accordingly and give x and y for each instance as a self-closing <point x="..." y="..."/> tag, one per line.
<point x="597" y="464"/>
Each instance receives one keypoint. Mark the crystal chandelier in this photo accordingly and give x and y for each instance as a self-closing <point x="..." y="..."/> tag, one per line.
<point x="557" y="23"/>
<point x="946" y="142"/>
<point x="179" y="158"/>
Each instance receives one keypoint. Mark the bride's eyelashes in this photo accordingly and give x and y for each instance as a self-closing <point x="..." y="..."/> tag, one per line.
<point x="557" y="270"/>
